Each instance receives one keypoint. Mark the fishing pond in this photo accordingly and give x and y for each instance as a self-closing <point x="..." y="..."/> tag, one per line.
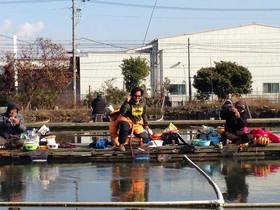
<point x="253" y="180"/>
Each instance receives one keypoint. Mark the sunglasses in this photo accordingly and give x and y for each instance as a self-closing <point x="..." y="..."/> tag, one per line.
<point x="137" y="96"/>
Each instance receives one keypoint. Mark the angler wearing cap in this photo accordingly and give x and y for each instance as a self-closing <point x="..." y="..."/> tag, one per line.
<point x="236" y="117"/>
<point x="133" y="118"/>
<point x="11" y="126"/>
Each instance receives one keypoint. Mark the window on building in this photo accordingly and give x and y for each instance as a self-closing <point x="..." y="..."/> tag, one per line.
<point x="271" y="87"/>
<point x="177" y="89"/>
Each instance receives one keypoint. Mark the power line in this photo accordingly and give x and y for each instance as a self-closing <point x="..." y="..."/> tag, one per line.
<point x="111" y="3"/>
<point x="150" y="20"/>
<point x="187" y="8"/>
<point x="11" y="38"/>
<point x="108" y="44"/>
<point x="29" y="1"/>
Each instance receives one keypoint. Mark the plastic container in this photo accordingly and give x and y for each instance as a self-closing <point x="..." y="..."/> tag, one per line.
<point x="30" y="146"/>
<point x="156" y="143"/>
<point x="51" y="143"/>
<point x="43" y="141"/>
<point x="201" y="142"/>
<point x="52" y="146"/>
<point x="35" y="138"/>
<point x="214" y="139"/>
<point x="39" y="155"/>
<point x="142" y="157"/>
<point x="42" y="147"/>
<point x="155" y="136"/>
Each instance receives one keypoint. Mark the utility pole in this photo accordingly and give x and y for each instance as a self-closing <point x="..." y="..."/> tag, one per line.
<point x="189" y="71"/>
<point x="15" y="66"/>
<point x="185" y="81"/>
<point x="212" y="89"/>
<point x="74" y="52"/>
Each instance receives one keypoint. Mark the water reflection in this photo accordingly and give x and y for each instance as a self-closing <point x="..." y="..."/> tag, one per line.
<point x="239" y="180"/>
<point x="235" y="173"/>
<point x="235" y="178"/>
<point x="43" y="174"/>
<point x="12" y="187"/>
<point x="130" y="183"/>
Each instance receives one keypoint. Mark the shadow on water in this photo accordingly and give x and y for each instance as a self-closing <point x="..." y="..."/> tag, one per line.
<point x="240" y="181"/>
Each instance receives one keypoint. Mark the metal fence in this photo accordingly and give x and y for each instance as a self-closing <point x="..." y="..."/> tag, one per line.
<point x="272" y="97"/>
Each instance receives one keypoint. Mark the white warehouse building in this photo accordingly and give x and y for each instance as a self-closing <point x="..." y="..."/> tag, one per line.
<point x="254" y="46"/>
<point x="97" y="68"/>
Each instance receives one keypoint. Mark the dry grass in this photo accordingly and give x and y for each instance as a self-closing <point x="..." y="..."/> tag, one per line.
<point x="62" y="115"/>
<point x="259" y="107"/>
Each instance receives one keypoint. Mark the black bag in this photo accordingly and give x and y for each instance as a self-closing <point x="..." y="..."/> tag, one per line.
<point x="170" y="138"/>
<point x="187" y="148"/>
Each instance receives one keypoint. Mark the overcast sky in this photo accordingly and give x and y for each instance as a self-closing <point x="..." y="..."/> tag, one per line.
<point x="127" y="20"/>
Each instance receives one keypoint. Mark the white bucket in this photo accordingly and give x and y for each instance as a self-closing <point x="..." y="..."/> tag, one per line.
<point x="52" y="146"/>
<point x="35" y="138"/>
<point x="51" y="143"/>
<point x="156" y="143"/>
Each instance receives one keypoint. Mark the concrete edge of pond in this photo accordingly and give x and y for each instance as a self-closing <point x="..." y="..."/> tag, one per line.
<point x="181" y="124"/>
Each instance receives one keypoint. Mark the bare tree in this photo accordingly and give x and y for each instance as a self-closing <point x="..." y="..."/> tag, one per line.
<point x="7" y="78"/>
<point x="43" y="72"/>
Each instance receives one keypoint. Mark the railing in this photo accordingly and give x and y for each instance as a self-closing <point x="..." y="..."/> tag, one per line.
<point x="220" y="199"/>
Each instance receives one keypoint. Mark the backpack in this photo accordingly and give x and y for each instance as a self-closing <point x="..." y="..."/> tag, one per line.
<point x="101" y="143"/>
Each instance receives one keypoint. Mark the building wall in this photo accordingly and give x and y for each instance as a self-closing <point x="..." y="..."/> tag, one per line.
<point x="96" y="68"/>
<point x="256" y="47"/>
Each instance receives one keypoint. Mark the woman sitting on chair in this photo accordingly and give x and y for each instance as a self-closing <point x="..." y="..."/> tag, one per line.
<point x="132" y="118"/>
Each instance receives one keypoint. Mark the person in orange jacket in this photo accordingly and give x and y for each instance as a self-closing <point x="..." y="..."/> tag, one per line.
<point x="113" y="127"/>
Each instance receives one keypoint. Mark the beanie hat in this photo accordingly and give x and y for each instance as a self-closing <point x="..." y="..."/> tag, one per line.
<point x="11" y="106"/>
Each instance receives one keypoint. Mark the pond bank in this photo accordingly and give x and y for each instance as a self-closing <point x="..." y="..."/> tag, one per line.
<point x="169" y="153"/>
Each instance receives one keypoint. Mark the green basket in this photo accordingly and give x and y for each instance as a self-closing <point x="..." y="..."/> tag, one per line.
<point x="30" y="146"/>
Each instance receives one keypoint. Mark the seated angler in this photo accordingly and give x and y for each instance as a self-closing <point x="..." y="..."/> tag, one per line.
<point x="11" y="126"/>
<point x="132" y="118"/>
<point x="236" y="122"/>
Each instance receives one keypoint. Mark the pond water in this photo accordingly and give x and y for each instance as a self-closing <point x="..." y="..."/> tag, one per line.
<point x="239" y="181"/>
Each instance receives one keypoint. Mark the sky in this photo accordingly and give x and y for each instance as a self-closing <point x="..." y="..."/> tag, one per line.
<point x="127" y="23"/>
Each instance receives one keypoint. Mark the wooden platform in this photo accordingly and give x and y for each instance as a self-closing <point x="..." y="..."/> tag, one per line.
<point x="164" y="153"/>
<point x="181" y="124"/>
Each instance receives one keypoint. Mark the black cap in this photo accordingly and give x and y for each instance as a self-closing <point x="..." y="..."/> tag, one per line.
<point x="11" y="106"/>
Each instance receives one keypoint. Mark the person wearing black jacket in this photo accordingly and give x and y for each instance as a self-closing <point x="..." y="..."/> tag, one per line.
<point x="133" y="118"/>
<point x="11" y="126"/>
<point x="98" y="108"/>
<point x="236" y="120"/>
